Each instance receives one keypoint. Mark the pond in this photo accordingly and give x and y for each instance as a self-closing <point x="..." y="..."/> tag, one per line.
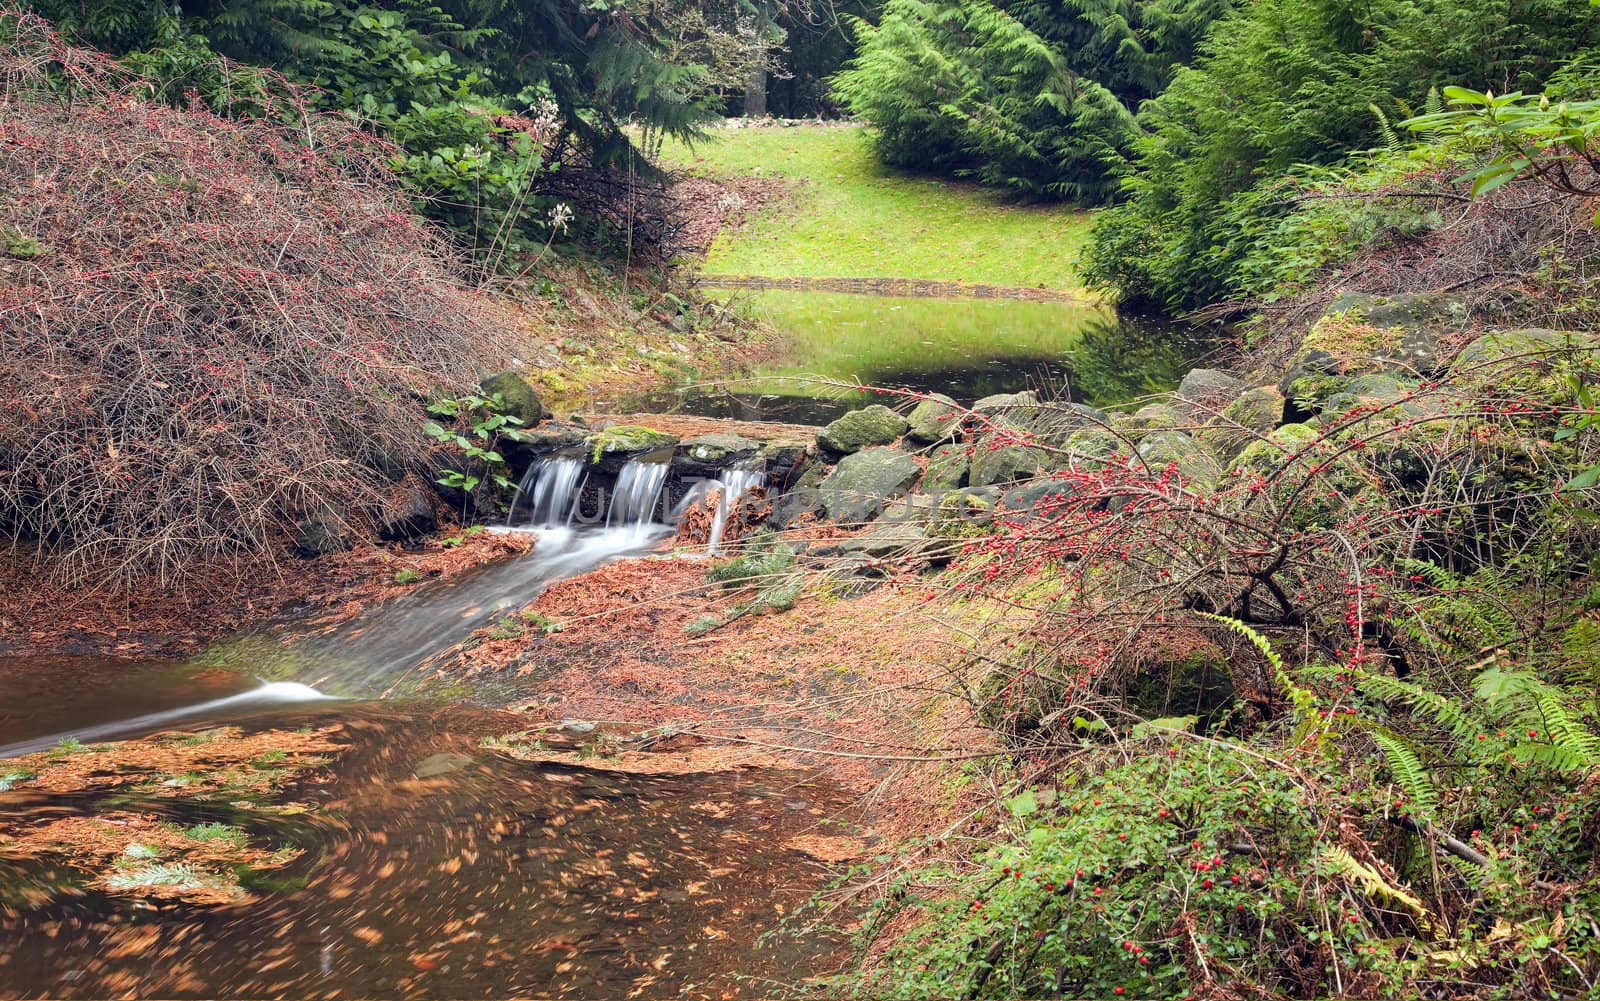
<point x="966" y="348"/>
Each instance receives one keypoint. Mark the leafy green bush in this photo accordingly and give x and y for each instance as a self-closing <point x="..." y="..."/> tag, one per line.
<point x="1033" y="97"/>
<point x="1284" y="82"/>
<point x="967" y="89"/>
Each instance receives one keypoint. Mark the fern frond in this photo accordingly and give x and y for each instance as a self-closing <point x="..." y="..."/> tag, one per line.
<point x="1441" y="709"/>
<point x="1565" y="731"/>
<point x="1408" y="771"/>
<point x="1340" y="862"/>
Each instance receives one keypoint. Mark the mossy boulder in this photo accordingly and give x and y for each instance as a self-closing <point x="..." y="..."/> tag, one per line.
<point x="406" y="514"/>
<point x="1375" y="391"/>
<point x="1056" y="422"/>
<point x="1194" y="463"/>
<point x="1039" y="497"/>
<point x="1090" y="449"/>
<point x="1243" y="421"/>
<point x="863" y="482"/>
<point x="520" y="399"/>
<point x="1419" y="320"/>
<point x="320" y="535"/>
<point x="965" y="513"/>
<point x="1534" y="363"/>
<point x="884" y="539"/>
<point x="864" y="428"/>
<point x="947" y="468"/>
<point x="626" y="440"/>
<point x="1152" y="417"/>
<point x="1362" y="334"/>
<point x="1263" y="456"/>
<point x="717" y="448"/>
<point x="1182" y="676"/>
<point x="997" y="458"/>
<point x="935" y="419"/>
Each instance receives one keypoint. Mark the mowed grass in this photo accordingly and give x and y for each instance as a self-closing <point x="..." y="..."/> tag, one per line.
<point x="850" y="218"/>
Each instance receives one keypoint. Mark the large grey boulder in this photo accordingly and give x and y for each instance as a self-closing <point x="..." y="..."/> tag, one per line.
<point x="1361" y="334"/>
<point x="1014" y="410"/>
<point x="1056" y="422"/>
<point x="406" y="515"/>
<point x="1246" y="419"/>
<point x="864" y="428"/>
<point x="717" y="448"/>
<point x="1196" y="465"/>
<point x="863" y="482"/>
<point x="947" y="468"/>
<point x="997" y="458"/>
<point x="935" y="419"/>
<point x="1206" y="391"/>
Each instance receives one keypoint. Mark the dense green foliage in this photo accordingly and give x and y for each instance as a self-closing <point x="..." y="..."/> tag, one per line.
<point x="1282" y="83"/>
<point x="1034" y="97"/>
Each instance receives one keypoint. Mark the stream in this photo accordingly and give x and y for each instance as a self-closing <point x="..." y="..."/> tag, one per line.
<point x="424" y="858"/>
<point x="431" y="863"/>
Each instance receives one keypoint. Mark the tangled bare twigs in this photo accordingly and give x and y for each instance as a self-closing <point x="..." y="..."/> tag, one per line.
<point x="210" y="328"/>
<point x="1517" y="254"/>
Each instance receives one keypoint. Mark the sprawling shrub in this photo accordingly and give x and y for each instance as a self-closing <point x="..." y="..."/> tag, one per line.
<point x="211" y="328"/>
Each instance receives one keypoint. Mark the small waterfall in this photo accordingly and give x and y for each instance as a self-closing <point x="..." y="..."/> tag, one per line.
<point x="638" y="492"/>
<point x="551" y="486"/>
<point x="730" y="485"/>
<point x="275" y="693"/>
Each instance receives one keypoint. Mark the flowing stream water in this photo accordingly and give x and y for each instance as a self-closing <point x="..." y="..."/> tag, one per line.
<point x="434" y="865"/>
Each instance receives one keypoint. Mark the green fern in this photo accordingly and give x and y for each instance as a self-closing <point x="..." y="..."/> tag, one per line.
<point x="1303" y="700"/>
<point x="1408" y="771"/>
<point x="1565" y="732"/>
<point x="1441" y="709"/>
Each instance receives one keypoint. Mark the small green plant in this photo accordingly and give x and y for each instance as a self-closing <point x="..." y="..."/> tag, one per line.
<point x="703" y="624"/>
<point x="10" y="778"/>
<point x="469" y="532"/>
<point x="404" y="577"/>
<point x="66" y="746"/>
<point x="140" y="852"/>
<point x="175" y="874"/>
<point x="15" y="243"/>
<point x="271" y="757"/>
<point x="540" y="622"/>
<point x="214" y="831"/>
<point x="506" y="628"/>
<point x="489" y="423"/>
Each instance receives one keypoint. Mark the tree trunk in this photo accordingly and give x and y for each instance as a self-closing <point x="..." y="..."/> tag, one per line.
<point x="755" y="96"/>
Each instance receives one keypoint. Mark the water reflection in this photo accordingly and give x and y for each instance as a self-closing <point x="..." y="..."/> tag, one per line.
<point x="967" y="349"/>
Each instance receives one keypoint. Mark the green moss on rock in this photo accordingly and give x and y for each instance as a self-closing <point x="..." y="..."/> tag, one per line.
<point x="864" y="428"/>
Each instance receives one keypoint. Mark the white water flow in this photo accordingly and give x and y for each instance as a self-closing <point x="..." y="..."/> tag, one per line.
<point x="638" y="493"/>
<point x="369" y="655"/>
<point x="552" y="487"/>
<point x="271" y="694"/>
<point x="730" y="485"/>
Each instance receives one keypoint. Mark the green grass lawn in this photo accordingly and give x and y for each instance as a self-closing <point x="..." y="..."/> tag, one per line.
<point x="849" y="217"/>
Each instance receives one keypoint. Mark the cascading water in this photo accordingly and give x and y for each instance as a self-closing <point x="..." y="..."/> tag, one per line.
<point x="276" y="693"/>
<point x="730" y="485"/>
<point x="638" y="493"/>
<point x="551" y="487"/>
